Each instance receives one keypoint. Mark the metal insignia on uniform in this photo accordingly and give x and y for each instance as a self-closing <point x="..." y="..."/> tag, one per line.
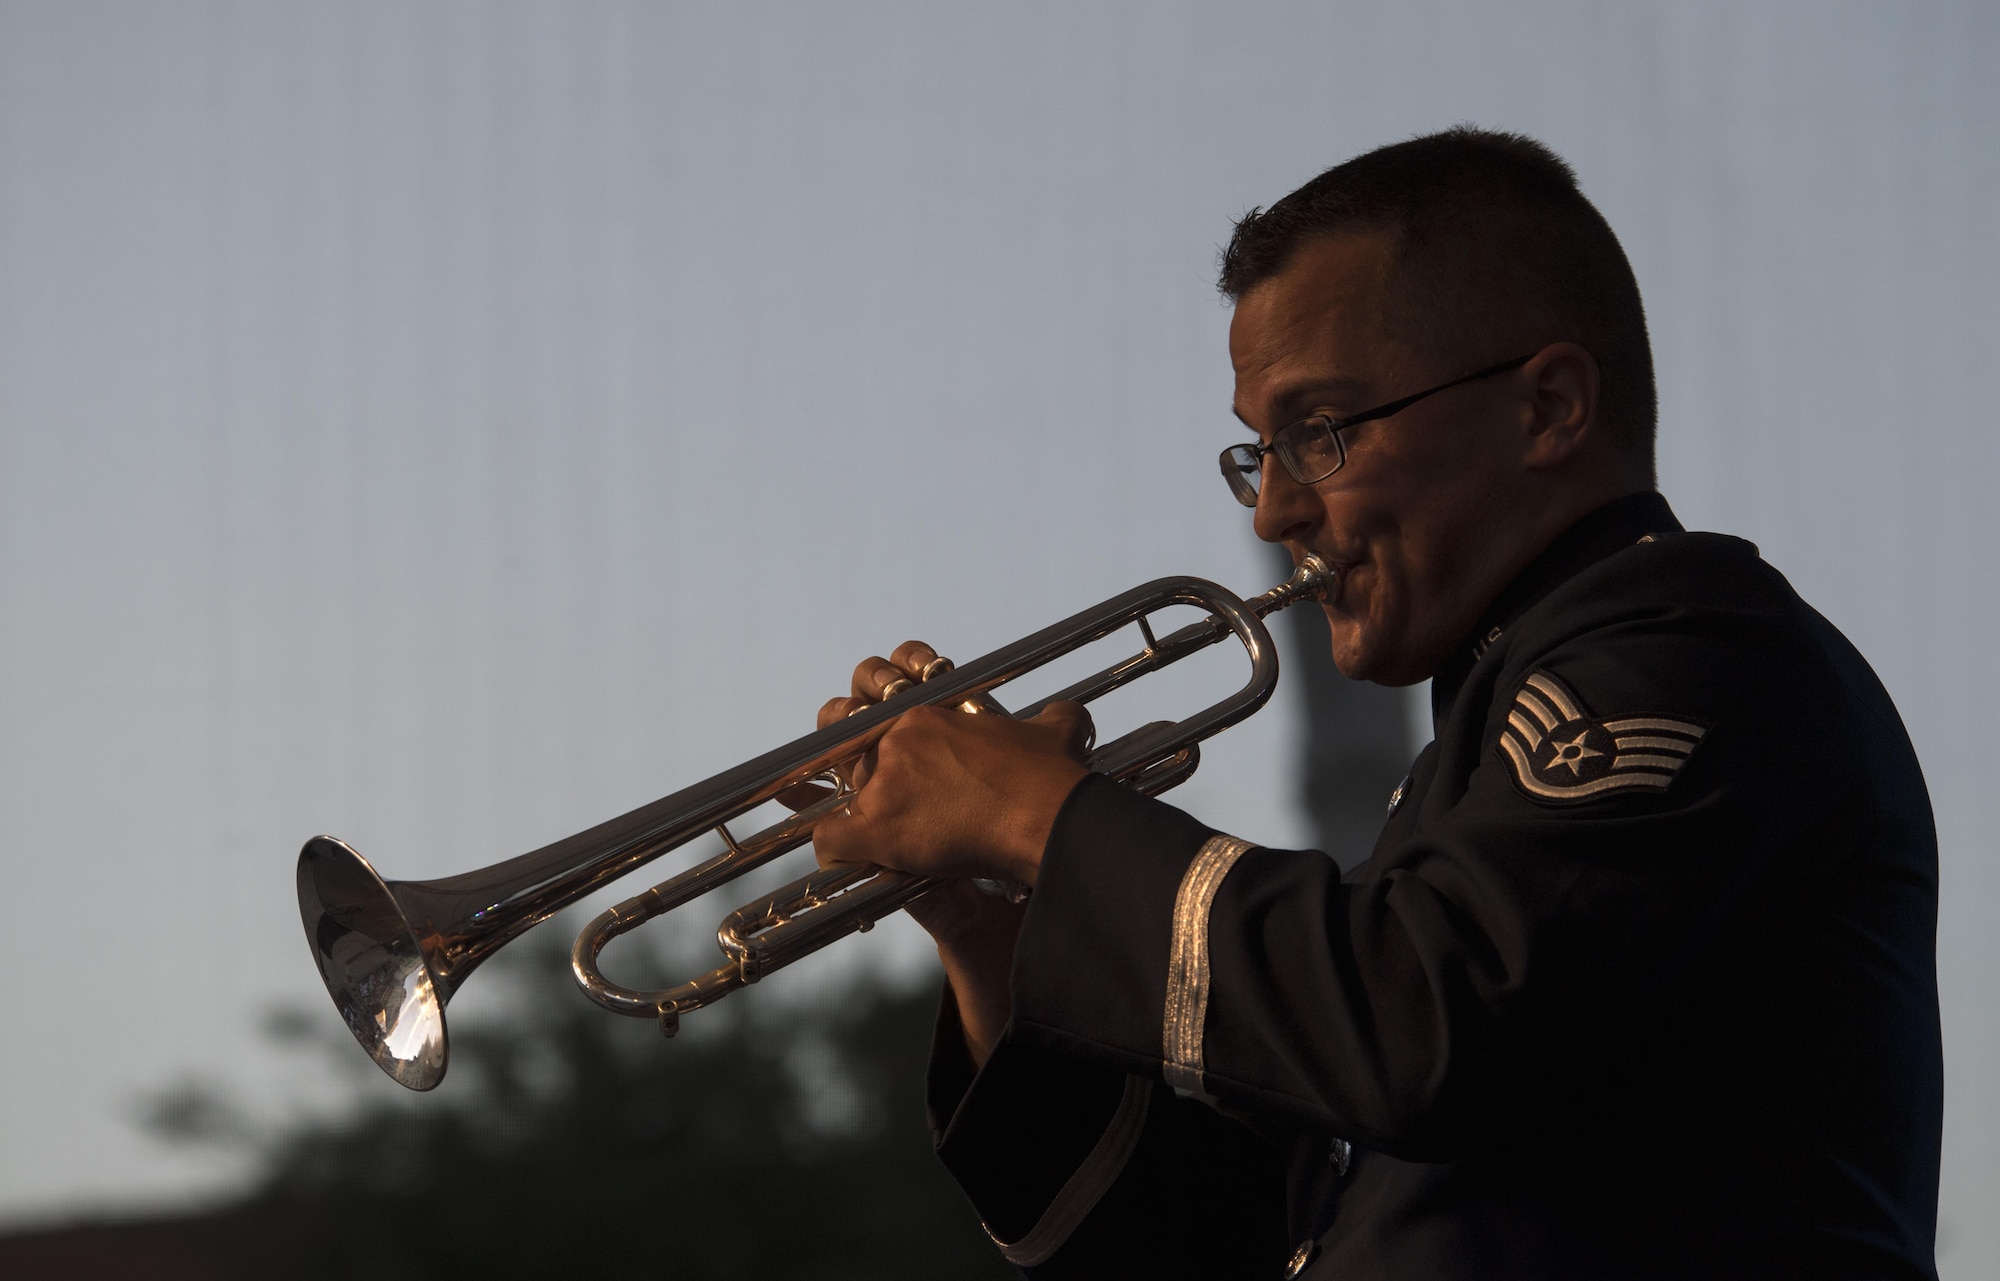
<point x="1560" y="752"/>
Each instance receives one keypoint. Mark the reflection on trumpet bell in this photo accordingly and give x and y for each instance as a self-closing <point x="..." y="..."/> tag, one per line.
<point x="393" y="952"/>
<point x="372" y="963"/>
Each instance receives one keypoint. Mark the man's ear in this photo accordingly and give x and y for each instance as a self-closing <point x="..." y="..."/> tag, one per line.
<point x="1561" y="405"/>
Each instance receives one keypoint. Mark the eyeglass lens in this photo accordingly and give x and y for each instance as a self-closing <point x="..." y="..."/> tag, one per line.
<point x="1242" y="469"/>
<point x="1309" y="450"/>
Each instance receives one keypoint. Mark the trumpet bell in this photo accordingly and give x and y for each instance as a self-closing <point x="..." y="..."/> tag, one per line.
<point x="372" y="963"/>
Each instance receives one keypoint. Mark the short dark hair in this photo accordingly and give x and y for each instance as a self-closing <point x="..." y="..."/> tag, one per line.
<point x="1486" y="217"/>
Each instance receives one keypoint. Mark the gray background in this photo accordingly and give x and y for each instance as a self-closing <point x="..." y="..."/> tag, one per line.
<point x="446" y="426"/>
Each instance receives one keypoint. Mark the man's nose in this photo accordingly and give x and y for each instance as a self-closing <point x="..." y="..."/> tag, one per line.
<point x="1286" y="510"/>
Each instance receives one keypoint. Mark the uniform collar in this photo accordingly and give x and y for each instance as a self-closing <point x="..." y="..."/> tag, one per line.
<point x="1616" y="525"/>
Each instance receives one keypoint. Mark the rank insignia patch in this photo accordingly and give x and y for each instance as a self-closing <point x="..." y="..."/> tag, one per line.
<point x="1560" y="752"/>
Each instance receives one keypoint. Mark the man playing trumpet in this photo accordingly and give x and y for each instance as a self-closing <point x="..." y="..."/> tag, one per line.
<point x="1639" y="979"/>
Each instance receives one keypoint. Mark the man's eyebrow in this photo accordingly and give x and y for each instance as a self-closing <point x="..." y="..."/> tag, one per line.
<point x="1298" y="394"/>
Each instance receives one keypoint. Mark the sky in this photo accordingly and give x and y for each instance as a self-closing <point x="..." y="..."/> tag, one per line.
<point x="446" y="426"/>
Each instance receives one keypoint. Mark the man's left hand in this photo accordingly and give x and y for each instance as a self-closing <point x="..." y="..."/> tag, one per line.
<point x="959" y="794"/>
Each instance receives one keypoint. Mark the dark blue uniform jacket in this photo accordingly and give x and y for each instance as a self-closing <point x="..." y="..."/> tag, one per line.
<point x="1639" y="980"/>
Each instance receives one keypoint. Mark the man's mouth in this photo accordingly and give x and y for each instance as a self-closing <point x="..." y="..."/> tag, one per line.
<point x="1341" y="571"/>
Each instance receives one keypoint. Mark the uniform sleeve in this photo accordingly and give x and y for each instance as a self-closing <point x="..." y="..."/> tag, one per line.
<point x="1499" y="920"/>
<point x="1078" y="1170"/>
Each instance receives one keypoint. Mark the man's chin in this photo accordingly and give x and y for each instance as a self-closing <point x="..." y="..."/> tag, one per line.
<point x="1364" y="652"/>
<point x="1352" y="653"/>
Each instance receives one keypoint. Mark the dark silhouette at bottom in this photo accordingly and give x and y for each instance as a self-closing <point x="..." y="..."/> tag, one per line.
<point x="565" y="1142"/>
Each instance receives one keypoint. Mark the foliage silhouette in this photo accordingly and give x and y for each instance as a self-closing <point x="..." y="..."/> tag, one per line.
<point x="786" y="1142"/>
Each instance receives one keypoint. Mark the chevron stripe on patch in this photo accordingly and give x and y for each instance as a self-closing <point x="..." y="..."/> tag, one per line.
<point x="1559" y="752"/>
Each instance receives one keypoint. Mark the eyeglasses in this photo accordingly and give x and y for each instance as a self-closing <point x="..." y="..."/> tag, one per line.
<point x="1313" y="448"/>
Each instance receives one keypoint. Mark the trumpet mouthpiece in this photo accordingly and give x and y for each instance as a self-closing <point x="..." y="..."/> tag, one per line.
<point x="1314" y="579"/>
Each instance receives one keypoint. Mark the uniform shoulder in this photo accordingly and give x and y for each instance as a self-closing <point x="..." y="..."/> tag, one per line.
<point x="1677" y="635"/>
<point x="1677" y="581"/>
<point x="1722" y="563"/>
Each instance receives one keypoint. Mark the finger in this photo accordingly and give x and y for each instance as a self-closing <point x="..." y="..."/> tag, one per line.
<point x="854" y="771"/>
<point x="1073" y="719"/>
<point x="834" y="709"/>
<point x="826" y="839"/>
<point x="837" y="839"/>
<point x="874" y="676"/>
<point x="914" y="658"/>
<point x="864" y="683"/>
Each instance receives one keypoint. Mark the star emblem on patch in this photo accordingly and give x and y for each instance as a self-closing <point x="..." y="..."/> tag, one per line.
<point x="1560" y="752"/>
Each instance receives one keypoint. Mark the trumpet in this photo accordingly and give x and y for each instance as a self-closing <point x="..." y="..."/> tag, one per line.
<point x="392" y="953"/>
